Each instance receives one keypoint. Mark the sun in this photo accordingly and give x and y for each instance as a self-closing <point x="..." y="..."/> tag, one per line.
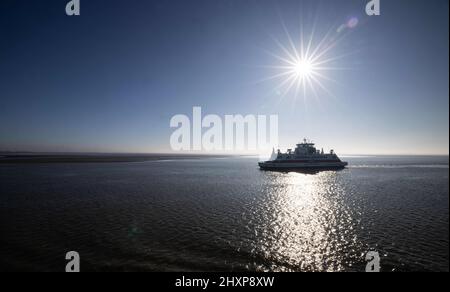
<point x="303" y="69"/>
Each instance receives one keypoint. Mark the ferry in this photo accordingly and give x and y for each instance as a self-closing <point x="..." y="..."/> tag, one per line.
<point x="304" y="157"/>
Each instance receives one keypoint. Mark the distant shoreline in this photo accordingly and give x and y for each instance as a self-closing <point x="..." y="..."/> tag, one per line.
<point x="33" y="158"/>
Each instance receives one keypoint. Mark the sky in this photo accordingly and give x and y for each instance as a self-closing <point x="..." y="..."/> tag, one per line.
<point x="111" y="79"/>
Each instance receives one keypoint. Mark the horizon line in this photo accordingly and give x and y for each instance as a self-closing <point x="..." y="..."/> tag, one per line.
<point x="202" y="153"/>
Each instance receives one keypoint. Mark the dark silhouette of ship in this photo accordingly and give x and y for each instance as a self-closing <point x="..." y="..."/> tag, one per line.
<point x="305" y="158"/>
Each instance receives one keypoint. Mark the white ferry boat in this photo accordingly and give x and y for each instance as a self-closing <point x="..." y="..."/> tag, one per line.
<point x="304" y="157"/>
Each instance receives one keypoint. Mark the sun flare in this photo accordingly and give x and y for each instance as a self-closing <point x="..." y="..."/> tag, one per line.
<point x="304" y="64"/>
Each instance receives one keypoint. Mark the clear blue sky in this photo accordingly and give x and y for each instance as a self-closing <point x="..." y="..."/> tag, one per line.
<point x="111" y="79"/>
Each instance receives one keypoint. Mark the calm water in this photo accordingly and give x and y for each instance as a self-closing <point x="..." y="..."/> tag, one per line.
<point x="225" y="215"/>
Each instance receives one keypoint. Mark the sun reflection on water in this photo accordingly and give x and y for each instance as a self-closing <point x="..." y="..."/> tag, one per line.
<point x="304" y="224"/>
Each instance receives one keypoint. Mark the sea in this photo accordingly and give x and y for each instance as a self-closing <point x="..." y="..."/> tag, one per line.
<point x="223" y="214"/>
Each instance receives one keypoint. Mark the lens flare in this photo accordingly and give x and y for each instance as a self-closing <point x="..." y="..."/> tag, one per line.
<point x="352" y="22"/>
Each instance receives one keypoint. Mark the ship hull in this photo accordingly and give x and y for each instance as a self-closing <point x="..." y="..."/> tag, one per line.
<point x="269" y="165"/>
